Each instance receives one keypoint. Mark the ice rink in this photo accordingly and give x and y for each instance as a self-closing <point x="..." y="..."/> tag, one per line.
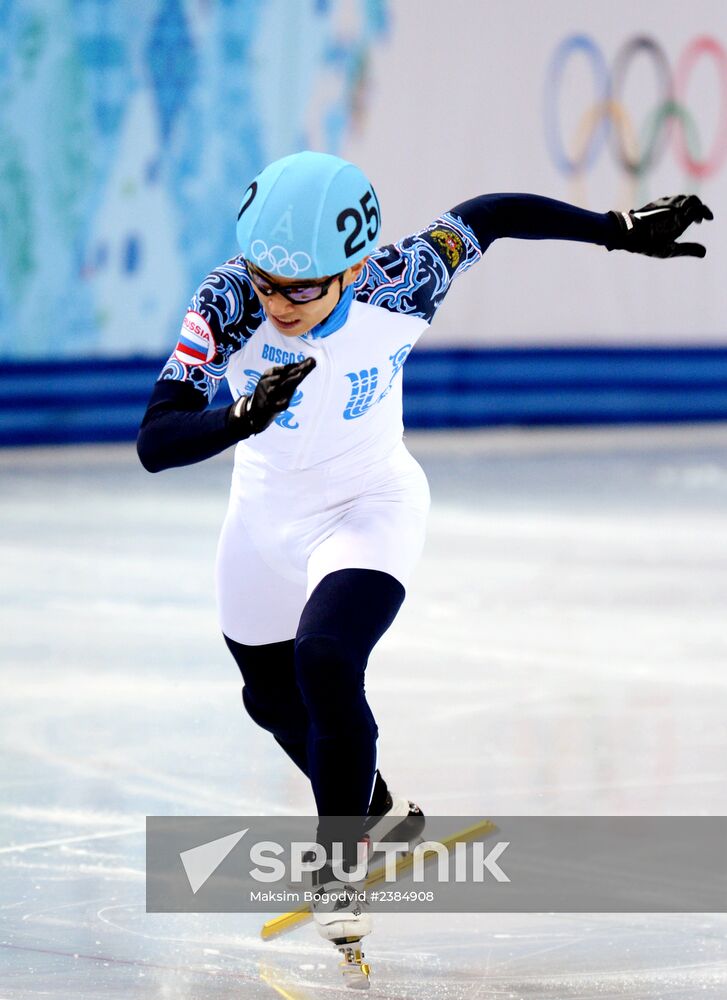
<point x="563" y="651"/>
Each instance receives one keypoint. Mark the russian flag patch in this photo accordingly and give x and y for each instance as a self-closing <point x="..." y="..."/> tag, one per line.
<point x="196" y="344"/>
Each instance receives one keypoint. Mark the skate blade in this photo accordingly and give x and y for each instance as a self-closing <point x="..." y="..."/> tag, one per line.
<point x="356" y="971"/>
<point x="286" y="922"/>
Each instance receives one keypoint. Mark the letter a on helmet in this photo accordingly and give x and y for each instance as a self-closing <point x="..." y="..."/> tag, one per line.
<point x="309" y="215"/>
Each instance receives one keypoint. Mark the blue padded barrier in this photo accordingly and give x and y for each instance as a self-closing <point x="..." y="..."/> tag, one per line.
<point x="104" y="399"/>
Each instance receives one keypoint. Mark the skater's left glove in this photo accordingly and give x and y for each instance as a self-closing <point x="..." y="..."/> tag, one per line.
<point x="654" y="229"/>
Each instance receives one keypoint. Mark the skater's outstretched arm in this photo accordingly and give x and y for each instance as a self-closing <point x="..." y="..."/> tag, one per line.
<point x="652" y="230"/>
<point x="414" y="275"/>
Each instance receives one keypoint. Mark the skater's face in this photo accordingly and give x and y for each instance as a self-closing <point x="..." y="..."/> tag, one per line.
<point x="295" y="318"/>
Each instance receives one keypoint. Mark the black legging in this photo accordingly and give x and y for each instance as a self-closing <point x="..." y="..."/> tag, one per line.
<point x="309" y="691"/>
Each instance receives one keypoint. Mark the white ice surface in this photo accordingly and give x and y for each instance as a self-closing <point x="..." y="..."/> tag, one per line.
<point x="562" y="651"/>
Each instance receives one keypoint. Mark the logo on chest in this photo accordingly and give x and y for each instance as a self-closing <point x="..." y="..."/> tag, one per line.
<point x="280" y="357"/>
<point x="365" y="384"/>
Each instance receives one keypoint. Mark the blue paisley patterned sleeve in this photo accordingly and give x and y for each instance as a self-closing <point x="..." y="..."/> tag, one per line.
<point x="222" y="316"/>
<point x="414" y="275"/>
<point x="179" y="426"/>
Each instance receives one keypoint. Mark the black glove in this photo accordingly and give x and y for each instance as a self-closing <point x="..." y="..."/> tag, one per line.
<point x="273" y="393"/>
<point x="654" y="229"/>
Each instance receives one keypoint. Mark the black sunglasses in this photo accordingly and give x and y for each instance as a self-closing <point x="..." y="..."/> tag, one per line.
<point x="300" y="293"/>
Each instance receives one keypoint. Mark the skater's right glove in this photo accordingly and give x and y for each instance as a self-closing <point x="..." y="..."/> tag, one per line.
<point x="273" y="393"/>
<point x="654" y="229"/>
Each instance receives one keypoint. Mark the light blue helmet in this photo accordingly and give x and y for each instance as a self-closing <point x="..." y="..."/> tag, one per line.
<point x="308" y="215"/>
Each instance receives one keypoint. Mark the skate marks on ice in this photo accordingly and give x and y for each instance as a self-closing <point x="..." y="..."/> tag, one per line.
<point x="578" y="581"/>
<point x="73" y="923"/>
<point x="96" y="949"/>
<point x="532" y="957"/>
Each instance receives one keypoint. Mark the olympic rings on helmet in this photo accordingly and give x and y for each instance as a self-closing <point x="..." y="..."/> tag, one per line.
<point x="277" y="260"/>
<point x="608" y="120"/>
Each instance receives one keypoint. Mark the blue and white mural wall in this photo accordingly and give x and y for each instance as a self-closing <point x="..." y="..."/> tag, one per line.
<point x="129" y="131"/>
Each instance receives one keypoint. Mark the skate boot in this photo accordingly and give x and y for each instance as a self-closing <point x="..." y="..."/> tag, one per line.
<point x="342" y="917"/>
<point x="396" y="818"/>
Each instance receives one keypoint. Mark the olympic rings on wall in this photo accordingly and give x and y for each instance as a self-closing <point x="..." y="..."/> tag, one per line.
<point x="607" y="121"/>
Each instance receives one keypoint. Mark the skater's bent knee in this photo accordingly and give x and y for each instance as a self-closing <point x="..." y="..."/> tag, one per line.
<point x="284" y="719"/>
<point x="324" y="660"/>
